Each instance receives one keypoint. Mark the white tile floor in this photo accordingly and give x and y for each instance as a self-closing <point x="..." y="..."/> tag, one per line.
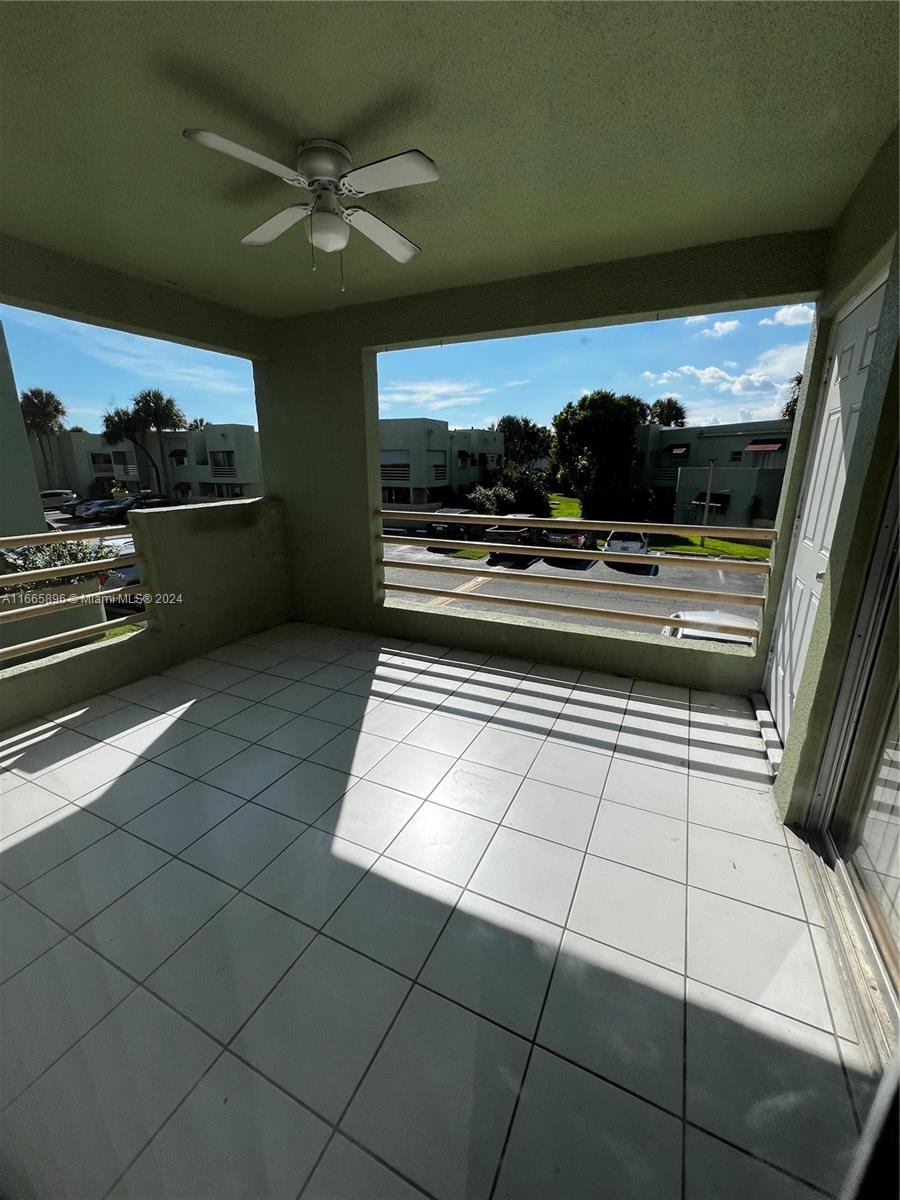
<point x="321" y="916"/>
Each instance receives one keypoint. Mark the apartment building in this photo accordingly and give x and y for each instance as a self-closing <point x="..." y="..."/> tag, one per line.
<point x="423" y="461"/>
<point x="747" y="462"/>
<point x="217" y="462"/>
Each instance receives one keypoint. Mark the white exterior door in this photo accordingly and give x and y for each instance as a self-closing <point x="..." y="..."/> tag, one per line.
<point x="850" y="352"/>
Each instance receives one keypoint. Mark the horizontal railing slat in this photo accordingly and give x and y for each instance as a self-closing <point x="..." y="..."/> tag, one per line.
<point x="66" y="535"/>
<point x="722" y="532"/>
<point x="757" y="566"/>
<point x="598" y="585"/>
<point x="14" y="579"/>
<point x="574" y="609"/>
<point x="23" y="611"/>
<point x="72" y="635"/>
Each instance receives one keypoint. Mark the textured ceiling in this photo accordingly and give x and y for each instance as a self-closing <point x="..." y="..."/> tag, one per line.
<point x="565" y="133"/>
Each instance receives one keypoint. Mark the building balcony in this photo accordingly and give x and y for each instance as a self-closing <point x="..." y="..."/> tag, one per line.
<point x="320" y="905"/>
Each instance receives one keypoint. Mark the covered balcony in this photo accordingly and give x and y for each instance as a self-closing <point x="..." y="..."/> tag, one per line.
<point x="309" y="889"/>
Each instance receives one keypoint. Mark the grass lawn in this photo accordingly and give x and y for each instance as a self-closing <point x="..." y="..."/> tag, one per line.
<point x="468" y="554"/>
<point x="120" y="631"/>
<point x="715" y="548"/>
<point x="564" y="506"/>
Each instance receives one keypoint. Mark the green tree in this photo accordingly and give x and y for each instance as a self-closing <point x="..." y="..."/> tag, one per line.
<point x="524" y="441"/>
<point x="789" y="411"/>
<point x="669" y="412"/>
<point x="159" y="413"/>
<point x="77" y="429"/>
<point x="43" y="413"/>
<point x="594" y="447"/>
<point x="197" y="423"/>
<point x="125" y="425"/>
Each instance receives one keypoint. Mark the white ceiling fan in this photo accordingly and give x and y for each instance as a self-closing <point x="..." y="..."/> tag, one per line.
<point x="324" y="169"/>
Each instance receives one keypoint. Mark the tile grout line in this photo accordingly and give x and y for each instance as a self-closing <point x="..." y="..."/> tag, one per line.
<point x="533" y="1041"/>
<point x="414" y="982"/>
<point x="684" y="1011"/>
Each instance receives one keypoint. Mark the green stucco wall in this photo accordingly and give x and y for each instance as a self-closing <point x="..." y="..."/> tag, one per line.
<point x="20" y="501"/>
<point x="318" y="388"/>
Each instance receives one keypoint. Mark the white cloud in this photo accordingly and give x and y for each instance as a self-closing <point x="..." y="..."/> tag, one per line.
<point x="791" y="314"/>
<point x="432" y="395"/>
<point x="695" y="320"/>
<point x="720" y="329"/>
<point x="729" y="363"/>
<point x="708" y="375"/>
<point x="782" y="362"/>
<point x="516" y="383"/>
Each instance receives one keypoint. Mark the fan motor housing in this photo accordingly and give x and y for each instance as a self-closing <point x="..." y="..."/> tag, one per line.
<point x="320" y="159"/>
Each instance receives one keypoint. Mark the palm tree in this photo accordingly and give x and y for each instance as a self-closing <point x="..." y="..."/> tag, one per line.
<point x="43" y="413"/>
<point x="125" y="425"/>
<point x="159" y="412"/>
<point x="789" y="411"/>
<point x="669" y="412"/>
<point x="197" y="423"/>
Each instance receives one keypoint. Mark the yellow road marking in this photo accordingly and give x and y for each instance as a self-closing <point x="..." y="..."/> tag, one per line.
<point x="469" y="586"/>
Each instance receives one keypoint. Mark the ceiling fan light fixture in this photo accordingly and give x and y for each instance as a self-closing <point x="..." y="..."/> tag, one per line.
<point x="328" y="232"/>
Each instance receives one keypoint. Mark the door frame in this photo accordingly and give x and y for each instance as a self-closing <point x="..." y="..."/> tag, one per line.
<point x="869" y="985"/>
<point x="872" y="286"/>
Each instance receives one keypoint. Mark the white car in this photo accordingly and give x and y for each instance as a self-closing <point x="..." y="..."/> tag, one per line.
<point x="53" y="499"/>
<point x="623" y="542"/>
<point x="701" y="634"/>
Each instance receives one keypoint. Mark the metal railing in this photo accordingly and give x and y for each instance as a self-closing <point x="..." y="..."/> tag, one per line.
<point x="11" y="581"/>
<point x="536" y="548"/>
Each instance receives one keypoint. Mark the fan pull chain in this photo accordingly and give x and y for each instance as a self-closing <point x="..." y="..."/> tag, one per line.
<point x="341" y="257"/>
<point x="312" y="252"/>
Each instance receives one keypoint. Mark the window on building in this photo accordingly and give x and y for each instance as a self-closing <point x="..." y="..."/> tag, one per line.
<point x="395" y="495"/>
<point x="736" y="456"/>
<point x="101" y="464"/>
<point x="437" y="463"/>
<point x="221" y="463"/>
<point x="178" y="457"/>
<point x="395" y="464"/>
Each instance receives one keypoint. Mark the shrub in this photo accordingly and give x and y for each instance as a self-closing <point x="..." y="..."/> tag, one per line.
<point x="530" y="491"/>
<point x="58" y="554"/>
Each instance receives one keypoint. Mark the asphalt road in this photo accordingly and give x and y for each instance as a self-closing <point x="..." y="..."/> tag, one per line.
<point x="503" y="581"/>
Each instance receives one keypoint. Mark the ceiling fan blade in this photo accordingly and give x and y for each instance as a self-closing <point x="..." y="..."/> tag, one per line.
<point x="400" y="170"/>
<point x="214" y="142"/>
<point x="277" y="225"/>
<point x="379" y="232"/>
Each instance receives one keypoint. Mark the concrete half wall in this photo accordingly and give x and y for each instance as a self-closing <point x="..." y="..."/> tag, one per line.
<point x="226" y="568"/>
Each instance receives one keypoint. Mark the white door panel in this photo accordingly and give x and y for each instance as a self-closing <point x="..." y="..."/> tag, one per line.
<point x="850" y="352"/>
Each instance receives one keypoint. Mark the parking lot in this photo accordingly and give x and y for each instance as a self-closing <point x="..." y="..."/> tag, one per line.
<point x="504" y="581"/>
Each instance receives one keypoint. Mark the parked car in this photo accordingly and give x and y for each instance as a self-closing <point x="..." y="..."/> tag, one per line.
<point x="55" y="498"/>
<point x="123" y="577"/>
<point x="70" y="505"/>
<point x="630" y="543"/>
<point x="569" y="539"/>
<point x="442" y="526"/>
<point x="117" y="514"/>
<point x="711" y="635"/>
<point x="90" y="510"/>
<point x="512" y="535"/>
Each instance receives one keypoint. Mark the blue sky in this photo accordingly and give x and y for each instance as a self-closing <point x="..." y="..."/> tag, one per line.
<point x="723" y="367"/>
